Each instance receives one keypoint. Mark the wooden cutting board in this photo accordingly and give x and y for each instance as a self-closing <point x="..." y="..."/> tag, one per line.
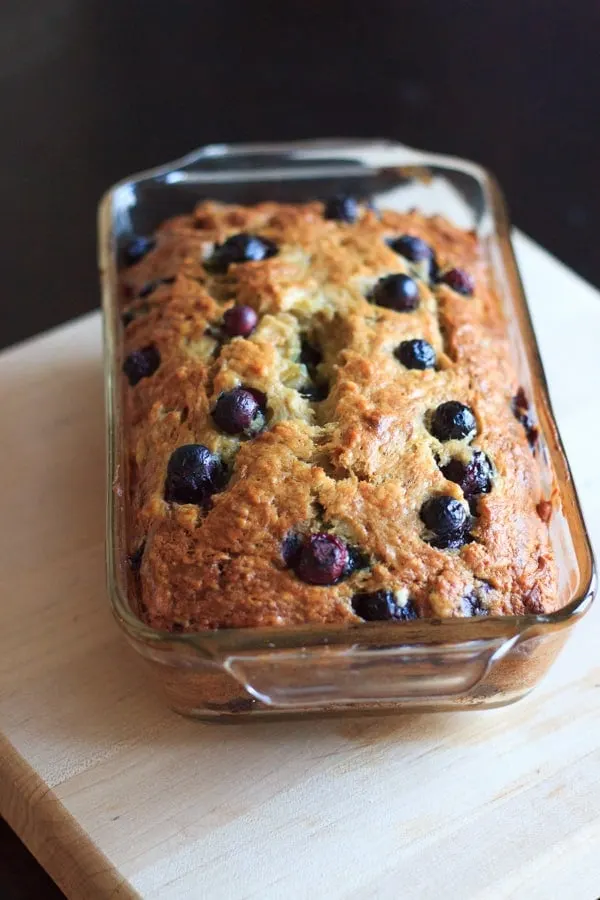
<point x="118" y="797"/>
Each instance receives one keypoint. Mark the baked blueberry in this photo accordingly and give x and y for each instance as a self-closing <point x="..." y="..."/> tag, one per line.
<point x="310" y="356"/>
<point x="357" y="560"/>
<point x="472" y="603"/>
<point x="379" y="606"/>
<point x="474" y="477"/>
<point x="193" y="474"/>
<point x="453" y="421"/>
<point x="341" y="207"/>
<point x="240" y="411"/>
<point x="148" y="288"/>
<point x="151" y="286"/>
<point x="412" y="248"/>
<point x="240" y="248"/>
<point x="454" y="540"/>
<point x="322" y="559"/>
<point x="141" y="364"/>
<point x="137" y="249"/>
<point x="520" y="408"/>
<point x="459" y="280"/>
<point x="314" y="392"/>
<point x="416" y="354"/>
<point x="398" y="292"/>
<point x="444" y="515"/>
<point x="239" y="321"/>
<point x="290" y="548"/>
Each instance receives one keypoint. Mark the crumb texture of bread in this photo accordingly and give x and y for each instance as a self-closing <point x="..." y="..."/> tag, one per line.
<point x="346" y="446"/>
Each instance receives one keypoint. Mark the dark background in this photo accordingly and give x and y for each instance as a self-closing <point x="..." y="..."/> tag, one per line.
<point x="92" y="90"/>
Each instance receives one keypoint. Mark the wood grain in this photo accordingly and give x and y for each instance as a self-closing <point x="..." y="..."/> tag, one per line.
<point x="118" y="797"/>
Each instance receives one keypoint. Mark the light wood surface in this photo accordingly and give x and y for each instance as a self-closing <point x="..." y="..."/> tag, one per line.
<point x="118" y="797"/>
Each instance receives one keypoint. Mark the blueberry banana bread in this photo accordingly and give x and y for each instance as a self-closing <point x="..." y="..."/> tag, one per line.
<point x="324" y="424"/>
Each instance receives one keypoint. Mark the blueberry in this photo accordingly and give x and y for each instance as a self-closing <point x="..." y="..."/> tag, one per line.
<point x="474" y="477"/>
<point x="240" y="411"/>
<point x="240" y="321"/>
<point x="380" y="606"/>
<point x="398" y="292"/>
<point x="151" y="286"/>
<point x="341" y="207"/>
<point x="193" y="474"/>
<point x="357" y="560"/>
<point x="322" y="559"/>
<point x="148" y="288"/>
<point x="137" y="249"/>
<point x="412" y="248"/>
<point x="452" y="541"/>
<point x="240" y="248"/>
<point x="460" y="281"/>
<point x="472" y="603"/>
<point x="141" y="364"/>
<point x="291" y="547"/>
<point x="520" y="403"/>
<point x="452" y="421"/>
<point x="417" y="354"/>
<point x="444" y="515"/>
<point x="314" y="392"/>
<point x="520" y="408"/>
<point x="310" y="356"/>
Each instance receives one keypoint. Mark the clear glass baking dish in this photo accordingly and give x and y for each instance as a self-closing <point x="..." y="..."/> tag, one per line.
<point x="247" y="674"/>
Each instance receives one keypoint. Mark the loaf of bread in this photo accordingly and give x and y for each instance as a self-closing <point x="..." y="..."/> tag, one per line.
<point x="324" y="424"/>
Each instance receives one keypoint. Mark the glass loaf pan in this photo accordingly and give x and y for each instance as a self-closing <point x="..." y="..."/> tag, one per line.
<point x="243" y="674"/>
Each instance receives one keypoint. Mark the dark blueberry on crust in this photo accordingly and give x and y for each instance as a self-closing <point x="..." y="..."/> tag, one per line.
<point x="474" y="477"/>
<point x="357" y="560"/>
<point x="472" y="603"/>
<point x="291" y="546"/>
<point x="240" y="248"/>
<point x="148" y="288"/>
<point x="471" y="606"/>
<point x="135" y="559"/>
<point x="434" y="271"/>
<point x="314" y="393"/>
<point x="417" y="251"/>
<point x="141" y="364"/>
<point x="322" y="560"/>
<point x="416" y="354"/>
<point x="520" y="408"/>
<point x="151" y="286"/>
<point x="412" y="248"/>
<point x="240" y="411"/>
<point x="397" y="292"/>
<point x="194" y="473"/>
<point x="520" y="403"/>
<point x="452" y="541"/>
<point x="310" y="356"/>
<point x="137" y="249"/>
<point x="444" y="515"/>
<point x="240" y="321"/>
<point x="460" y="281"/>
<point x="380" y="606"/>
<point x="341" y="207"/>
<point x="453" y="421"/>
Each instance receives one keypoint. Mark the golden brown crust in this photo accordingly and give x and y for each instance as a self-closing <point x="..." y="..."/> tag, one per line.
<point x="360" y="463"/>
